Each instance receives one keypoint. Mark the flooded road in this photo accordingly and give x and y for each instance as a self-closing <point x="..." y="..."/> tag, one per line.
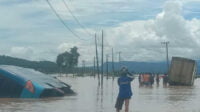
<point x="92" y="98"/>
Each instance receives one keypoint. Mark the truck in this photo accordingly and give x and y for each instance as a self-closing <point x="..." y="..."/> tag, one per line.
<point x="182" y="71"/>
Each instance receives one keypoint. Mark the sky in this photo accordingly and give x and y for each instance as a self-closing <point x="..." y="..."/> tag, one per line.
<point x="29" y="29"/>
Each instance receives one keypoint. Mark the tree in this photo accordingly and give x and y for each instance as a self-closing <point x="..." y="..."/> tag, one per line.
<point x="68" y="60"/>
<point x="75" y="56"/>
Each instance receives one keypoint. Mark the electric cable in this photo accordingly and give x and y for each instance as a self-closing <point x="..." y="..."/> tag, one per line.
<point x="75" y="18"/>
<point x="62" y="21"/>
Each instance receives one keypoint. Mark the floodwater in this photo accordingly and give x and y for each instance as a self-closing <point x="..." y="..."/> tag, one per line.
<point x="92" y="98"/>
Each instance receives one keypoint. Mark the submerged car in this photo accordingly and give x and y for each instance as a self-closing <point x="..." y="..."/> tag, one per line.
<point x="18" y="82"/>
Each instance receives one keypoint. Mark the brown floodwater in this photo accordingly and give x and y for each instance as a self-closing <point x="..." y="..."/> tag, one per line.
<point x="92" y="98"/>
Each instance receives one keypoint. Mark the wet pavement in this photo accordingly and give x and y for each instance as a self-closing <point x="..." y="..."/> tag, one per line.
<point x="91" y="97"/>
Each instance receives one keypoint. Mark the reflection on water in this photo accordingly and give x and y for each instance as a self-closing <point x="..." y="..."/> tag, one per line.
<point x="93" y="98"/>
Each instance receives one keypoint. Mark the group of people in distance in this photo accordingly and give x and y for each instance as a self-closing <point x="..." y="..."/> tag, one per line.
<point x="148" y="79"/>
<point x="124" y="83"/>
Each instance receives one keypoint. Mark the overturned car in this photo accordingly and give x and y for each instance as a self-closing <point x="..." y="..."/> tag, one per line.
<point x="17" y="82"/>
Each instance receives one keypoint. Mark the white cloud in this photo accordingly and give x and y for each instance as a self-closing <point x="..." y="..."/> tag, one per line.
<point x="22" y="52"/>
<point x="141" y="39"/>
<point x="66" y="47"/>
<point x="34" y="24"/>
<point x="173" y="26"/>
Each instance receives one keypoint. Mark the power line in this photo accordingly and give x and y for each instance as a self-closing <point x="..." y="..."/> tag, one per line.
<point x="75" y="18"/>
<point x="62" y="21"/>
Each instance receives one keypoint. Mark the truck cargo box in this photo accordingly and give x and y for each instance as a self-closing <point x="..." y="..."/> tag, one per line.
<point x="182" y="71"/>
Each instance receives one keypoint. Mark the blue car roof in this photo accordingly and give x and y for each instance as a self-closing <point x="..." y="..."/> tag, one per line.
<point x="11" y="76"/>
<point x="24" y="74"/>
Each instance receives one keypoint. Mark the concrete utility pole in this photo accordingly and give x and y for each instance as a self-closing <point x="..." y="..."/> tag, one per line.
<point x="167" y="57"/>
<point x="107" y="66"/>
<point x="113" y="63"/>
<point x="119" y="59"/>
<point x="119" y="66"/>
<point x="102" y="61"/>
<point x="83" y="67"/>
<point x="97" y="59"/>
<point x="94" y="69"/>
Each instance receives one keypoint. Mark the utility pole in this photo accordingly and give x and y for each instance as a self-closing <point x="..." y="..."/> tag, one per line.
<point x="113" y="63"/>
<point x="119" y="59"/>
<point x="119" y="66"/>
<point x="94" y="69"/>
<point x="107" y="66"/>
<point x="102" y="61"/>
<point x="83" y="67"/>
<point x="97" y="59"/>
<point x="167" y="57"/>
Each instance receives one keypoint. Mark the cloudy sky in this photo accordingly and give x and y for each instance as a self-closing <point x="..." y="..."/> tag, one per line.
<point x="29" y="29"/>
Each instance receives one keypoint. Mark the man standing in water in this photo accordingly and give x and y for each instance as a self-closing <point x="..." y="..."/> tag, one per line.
<point x="125" y="92"/>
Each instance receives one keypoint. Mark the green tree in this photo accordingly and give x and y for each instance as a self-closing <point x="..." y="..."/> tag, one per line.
<point x="68" y="60"/>
<point x="75" y="56"/>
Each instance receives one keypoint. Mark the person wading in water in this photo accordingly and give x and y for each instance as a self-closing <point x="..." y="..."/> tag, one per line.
<point x="125" y="92"/>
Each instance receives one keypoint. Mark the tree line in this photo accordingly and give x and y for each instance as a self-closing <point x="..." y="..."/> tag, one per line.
<point x="65" y="62"/>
